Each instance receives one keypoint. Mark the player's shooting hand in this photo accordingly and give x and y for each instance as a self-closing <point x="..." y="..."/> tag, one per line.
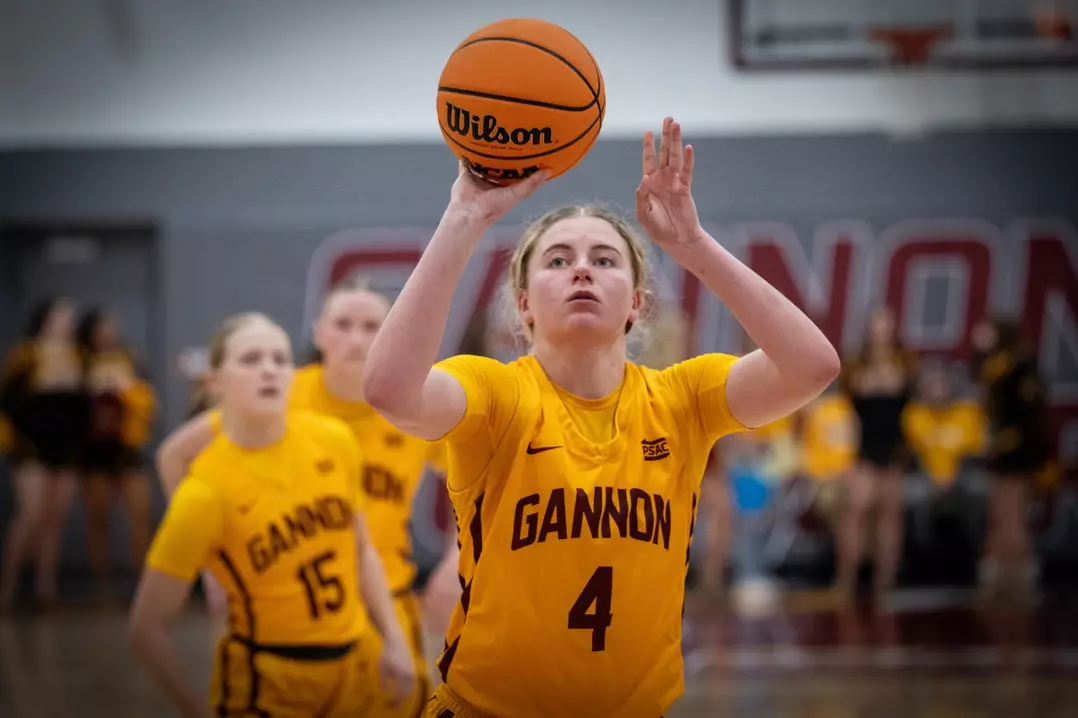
<point x="664" y="203"/>
<point x="484" y="202"/>
<point x="397" y="669"/>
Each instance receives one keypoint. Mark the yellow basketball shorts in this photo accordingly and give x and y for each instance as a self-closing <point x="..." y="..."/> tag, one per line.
<point x="295" y="681"/>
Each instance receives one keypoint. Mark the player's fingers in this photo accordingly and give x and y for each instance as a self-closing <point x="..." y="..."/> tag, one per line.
<point x="664" y="144"/>
<point x="687" y="167"/>
<point x="649" y="153"/>
<point x="675" y="146"/>
<point x="525" y="187"/>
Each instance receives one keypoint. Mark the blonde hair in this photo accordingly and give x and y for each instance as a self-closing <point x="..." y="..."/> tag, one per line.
<point x="351" y="283"/>
<point x="669" y="339"/>
<point x="219" y="342"/>
<point x="518" y="264"/>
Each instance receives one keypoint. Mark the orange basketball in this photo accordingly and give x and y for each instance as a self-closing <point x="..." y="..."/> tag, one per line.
<point x="519" y="96"/>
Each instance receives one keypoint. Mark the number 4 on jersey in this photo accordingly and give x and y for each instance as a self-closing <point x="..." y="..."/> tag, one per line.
<point x="597" y="592"/>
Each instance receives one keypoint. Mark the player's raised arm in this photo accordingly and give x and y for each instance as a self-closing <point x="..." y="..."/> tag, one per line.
<point x="795" y="362"/>
<point x="398" y="380"/>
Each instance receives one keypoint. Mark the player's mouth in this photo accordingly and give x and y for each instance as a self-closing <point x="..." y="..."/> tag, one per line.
<point x="269" y="392"/>
<point x="583" y="296"/>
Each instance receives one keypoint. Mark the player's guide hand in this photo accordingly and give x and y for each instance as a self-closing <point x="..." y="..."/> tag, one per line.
<point x="397" y="670"/>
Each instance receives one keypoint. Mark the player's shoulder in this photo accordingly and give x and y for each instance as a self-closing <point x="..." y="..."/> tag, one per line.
<point x="318" y="425"/>
<point x="712" y="365"/>
<point x="216" y="459"/>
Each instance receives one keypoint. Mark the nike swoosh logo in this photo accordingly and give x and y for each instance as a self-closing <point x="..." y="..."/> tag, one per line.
<point x="540" y="449"/>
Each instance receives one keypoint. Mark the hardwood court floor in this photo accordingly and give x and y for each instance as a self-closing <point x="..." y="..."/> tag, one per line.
<point x="932" y="655"/>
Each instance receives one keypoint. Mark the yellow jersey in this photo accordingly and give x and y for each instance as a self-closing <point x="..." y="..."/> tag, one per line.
<point x="942" y="437"/>
<point x="391" y="468"/>
<point x="828" y="437"/>
<point x="574" y="550"/>
<point x="276" y="528"/>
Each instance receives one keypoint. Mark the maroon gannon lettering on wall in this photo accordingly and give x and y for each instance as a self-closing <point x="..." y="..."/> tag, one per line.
<point x="939" y="276"/>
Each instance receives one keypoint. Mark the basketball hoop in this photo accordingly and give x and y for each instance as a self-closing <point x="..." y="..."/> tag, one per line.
<point x="909" y="51"/>
<point x="910" y="46"/>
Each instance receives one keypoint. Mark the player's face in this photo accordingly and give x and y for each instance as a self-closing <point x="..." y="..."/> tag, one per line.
<point x="61" y="321"/>
<point x="348" y="325"/>
<point x="580" y="283"/>
<point x="107" y="332"/>
<point x="881" y="327"/>
<point x="936" y="387"/>
<point x="256" y="373"/>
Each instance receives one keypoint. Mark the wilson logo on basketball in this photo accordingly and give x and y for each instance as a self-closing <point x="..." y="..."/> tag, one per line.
<point x="485" y="128"/>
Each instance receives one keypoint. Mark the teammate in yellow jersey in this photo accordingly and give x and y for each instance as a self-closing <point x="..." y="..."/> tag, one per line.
<point x="273" y="508"/>
<point x="574" y="473"/>
<point x="391" y="462"/>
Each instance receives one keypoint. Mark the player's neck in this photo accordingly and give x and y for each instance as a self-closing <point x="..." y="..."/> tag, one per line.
<point x="590" y="372"/>
<point x="344" y="385"/>
<point x="253" y="433"/>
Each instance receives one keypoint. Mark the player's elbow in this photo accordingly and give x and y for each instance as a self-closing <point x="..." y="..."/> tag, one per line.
<point x="825" y="365"/>
<point x="382" y="392"/>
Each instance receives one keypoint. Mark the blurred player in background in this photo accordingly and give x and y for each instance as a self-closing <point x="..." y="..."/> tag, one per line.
<point x="122" y="410"/>
<point x="943" y="429"/>
<point x="879" y="382"/>
<point x="273" y="507"/>
<point x="392" y="462"/>
<point x="1017" y="450"/>
<point x="827" y="431"/>
<point x="42" y="394"/>
<point x="575" y="473"/>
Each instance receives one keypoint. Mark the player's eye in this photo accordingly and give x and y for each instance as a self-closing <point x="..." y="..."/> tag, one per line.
<point x="343" y="324"/>
<point x="605" y="261"/>
<point x="558" y="262"/>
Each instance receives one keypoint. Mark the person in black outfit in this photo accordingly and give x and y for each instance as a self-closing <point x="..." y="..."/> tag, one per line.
<point x="1014" y="400"/>
<point x="879" y="383"/>
<point x="43" y="395"/>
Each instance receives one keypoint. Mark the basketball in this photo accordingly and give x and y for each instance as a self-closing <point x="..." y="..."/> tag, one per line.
<point x="519" y="96"/>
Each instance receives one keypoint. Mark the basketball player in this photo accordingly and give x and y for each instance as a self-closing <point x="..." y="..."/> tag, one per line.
<point x="273" y="508"/>
<point x="392" y="462"/>
<point x="575" y="474"/>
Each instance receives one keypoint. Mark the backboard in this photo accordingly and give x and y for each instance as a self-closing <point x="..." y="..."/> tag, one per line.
<point x="879" y="34"/>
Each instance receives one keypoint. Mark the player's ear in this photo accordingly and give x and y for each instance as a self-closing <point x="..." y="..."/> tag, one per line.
<point x="212" y="383"/>
<point x="639" y="306"/>
<point x="524" y="309"/>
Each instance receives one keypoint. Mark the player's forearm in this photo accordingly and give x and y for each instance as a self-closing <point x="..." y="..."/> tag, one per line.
<point x="155" y="647"/>
<point x="408" y="343"/>
<point x="376" y="595"/>
<point x="796" y="346"/>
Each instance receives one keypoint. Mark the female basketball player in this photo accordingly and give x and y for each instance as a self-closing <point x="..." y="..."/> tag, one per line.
<point x="574" y="473"/>
<point x="42" y="393"/>
<point x="122" y="409"/>
<point x="1017" y="450"/>
<point x="879" y="383"/>
<point x="392" y="465"/>
<point x="273" y="508"/>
